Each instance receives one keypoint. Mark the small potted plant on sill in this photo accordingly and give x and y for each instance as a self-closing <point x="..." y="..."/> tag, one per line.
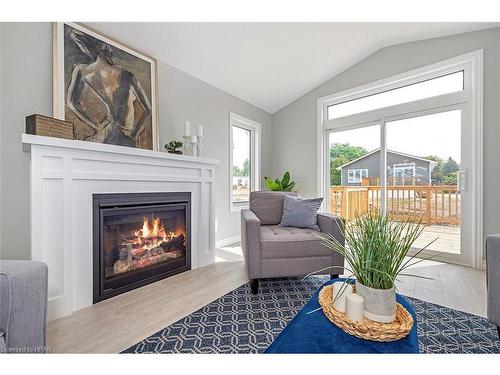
<point x="376" y="253"/>
<point x="173" y="147"/>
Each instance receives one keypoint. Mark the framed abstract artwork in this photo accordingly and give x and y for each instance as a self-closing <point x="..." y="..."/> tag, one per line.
<point x="105" y="88"/>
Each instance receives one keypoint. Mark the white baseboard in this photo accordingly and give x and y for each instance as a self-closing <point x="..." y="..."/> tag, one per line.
<point x="227" y="241"/>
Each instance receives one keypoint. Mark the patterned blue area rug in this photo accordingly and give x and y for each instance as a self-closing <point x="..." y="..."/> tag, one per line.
<point x="240" y="322"/>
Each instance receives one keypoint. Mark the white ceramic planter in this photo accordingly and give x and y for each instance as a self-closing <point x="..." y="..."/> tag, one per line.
<point x="380" y="304"/>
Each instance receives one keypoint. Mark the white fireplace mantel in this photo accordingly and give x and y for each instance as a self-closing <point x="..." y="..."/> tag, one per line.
<point x="64" y="176"/>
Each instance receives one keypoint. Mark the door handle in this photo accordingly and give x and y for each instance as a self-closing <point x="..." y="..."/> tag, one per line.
<point x="462" y="181"/>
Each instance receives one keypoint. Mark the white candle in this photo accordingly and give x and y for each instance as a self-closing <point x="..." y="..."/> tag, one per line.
<point x="200" y="131"/>
<point x="187" y="128"/>
<point x="193" y="139"/>
<point x="340" y="291"/>
<point x="355" y="305"/>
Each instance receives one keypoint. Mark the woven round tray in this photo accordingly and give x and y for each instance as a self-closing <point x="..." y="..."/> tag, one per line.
<point x="368" y="329"/>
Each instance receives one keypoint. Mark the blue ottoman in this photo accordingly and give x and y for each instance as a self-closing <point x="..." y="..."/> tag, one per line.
<point x="314" y="333"/>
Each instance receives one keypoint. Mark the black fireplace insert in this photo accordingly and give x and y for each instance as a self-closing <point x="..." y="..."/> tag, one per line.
<point x="139" y="238"/>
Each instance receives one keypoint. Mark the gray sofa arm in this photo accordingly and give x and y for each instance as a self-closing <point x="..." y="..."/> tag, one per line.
<point x="334" y="226"/>
<point x="331" y="224"/>
<point x="23" y="305"/>
<point x="493" y="277"/>
<point x="250" y="242"/>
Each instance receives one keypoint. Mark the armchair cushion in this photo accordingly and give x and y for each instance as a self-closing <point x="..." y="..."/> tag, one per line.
<point x="288" y="242"/>
<point x="300" y="212"/>
<point x="268" y="205"/>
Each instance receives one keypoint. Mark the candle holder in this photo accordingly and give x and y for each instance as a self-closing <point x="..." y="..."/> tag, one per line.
<point x="193" y="142"/>
<point x="340" y="292"/>
<point x="199" y="146"/>
<point x="187" y="145"/>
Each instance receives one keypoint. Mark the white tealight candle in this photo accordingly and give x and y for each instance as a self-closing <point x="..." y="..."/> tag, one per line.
<point x="355" y="305"/>
<point x="187" y="128"/>
<point x="200" y="131"/>
<point x="193" y="139"/>
<point x="340" y="291"/>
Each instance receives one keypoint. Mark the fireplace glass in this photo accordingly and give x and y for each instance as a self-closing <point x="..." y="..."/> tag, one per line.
<point x="134" y="241"/>
<point x="139" y="243"/>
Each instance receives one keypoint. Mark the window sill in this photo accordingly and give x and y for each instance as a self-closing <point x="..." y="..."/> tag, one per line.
<point x="238" y="207"/>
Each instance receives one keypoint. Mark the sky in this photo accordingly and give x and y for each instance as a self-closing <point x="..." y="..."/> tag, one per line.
<point x="438" y="86"/>
<point x="436" y="134"/>
<point x="241" y="142"/>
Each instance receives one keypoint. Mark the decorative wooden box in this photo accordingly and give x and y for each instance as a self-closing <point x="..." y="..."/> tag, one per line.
<point x="49" y="127"/>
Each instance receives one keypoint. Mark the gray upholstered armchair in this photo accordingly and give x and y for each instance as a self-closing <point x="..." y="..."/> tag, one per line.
<point x="274" y="251"/>
<point x="23" y="306"/>
<point x="493" y="279"/>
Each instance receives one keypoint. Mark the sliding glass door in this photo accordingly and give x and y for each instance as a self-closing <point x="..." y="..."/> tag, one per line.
<point x="411" y="166"/>
<point x="410" y="145"/>
<point x="424" y="164"/>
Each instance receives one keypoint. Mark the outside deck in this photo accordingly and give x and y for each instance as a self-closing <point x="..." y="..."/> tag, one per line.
<point x="436" y="207"/>
<point x="448" y="239"/>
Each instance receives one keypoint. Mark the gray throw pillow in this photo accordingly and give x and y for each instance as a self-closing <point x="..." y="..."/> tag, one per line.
<point x="300" y="212"/>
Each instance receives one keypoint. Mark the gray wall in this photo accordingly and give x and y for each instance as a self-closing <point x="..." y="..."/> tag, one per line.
<point x="26" y="76"/>
<point x="295" y="125"/>
<point x="183" y="97"/>
<point x="26" y="89"/>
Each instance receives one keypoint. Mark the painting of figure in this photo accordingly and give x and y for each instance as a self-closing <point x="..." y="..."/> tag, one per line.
<point x="106" y="89"/>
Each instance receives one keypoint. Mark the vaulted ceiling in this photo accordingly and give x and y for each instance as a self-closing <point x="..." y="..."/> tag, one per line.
<point x="271" y="64"/>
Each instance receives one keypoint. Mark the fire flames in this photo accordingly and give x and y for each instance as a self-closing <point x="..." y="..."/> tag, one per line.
<point x="152" y="234"/>
<point x="151" y="244"/>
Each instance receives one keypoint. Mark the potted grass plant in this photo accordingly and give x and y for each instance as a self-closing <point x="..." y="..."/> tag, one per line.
<point x="376" y="253"/>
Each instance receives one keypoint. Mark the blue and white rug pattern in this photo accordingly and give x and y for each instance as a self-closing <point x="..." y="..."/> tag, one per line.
<point x="240" y="322"/>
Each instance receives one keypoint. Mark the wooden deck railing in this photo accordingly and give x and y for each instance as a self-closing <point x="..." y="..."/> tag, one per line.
<point x="392" y="181"/>
<point x="428" y="204"/>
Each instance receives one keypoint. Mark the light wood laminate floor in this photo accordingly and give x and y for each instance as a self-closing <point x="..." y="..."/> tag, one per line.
<point x="117" y="323"/>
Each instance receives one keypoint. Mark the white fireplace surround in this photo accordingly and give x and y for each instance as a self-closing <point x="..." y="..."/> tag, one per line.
<point x="64" y="176"/>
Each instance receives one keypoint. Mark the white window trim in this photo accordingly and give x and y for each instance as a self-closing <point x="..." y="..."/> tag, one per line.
<point x="403" y="166"/>
<point x="255" y="156"/>
<point x="472" y="65"/>
<point x="354" y="180"/>
<point x="438" y="74"/>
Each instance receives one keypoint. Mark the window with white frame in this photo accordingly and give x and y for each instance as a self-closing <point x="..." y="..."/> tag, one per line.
<point x="356" y="175"/>
<point x="444" y="84"/>
<point x="452" y="87"/>
<point x="404" y="170"/>
<point x="244" y="156"/>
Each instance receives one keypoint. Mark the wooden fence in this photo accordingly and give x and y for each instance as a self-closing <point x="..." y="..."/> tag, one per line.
<point x="429" y="204"/>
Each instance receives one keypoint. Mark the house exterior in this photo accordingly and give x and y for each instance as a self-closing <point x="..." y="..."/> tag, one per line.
<point x="403" y="169"/>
